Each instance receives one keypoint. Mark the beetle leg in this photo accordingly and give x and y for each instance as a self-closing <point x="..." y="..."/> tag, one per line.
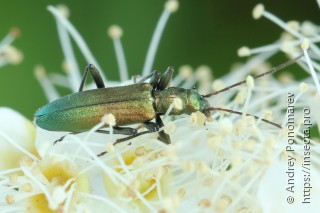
<point x="164" y="137"/>
<point x="154" y="78"/>
<point x="95" y="75"/>
<point x="151" y="126"/>
<point x="120" y="140"/>
<point x="61" y="139"/>
<point x="120" y="130"/>
<point x="165" y="79"/>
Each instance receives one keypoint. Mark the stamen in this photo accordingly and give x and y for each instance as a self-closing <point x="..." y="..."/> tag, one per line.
<point x="45" y="83"/>
<point x="18" y="146"/>
<point x="73" y="73"/>
<point x="185" y="72"/>
<point x="10" y="199"/>
<point x="8" y="39"/>
<point x="258" y="11"/>
<point x="41" y="186"/>
<point x="303" y="87"/>
<point x="244" y="51"/>
<point x="77" y="38"/>
<point x="309" y="29"/>
<point x="104" y="200"/>
<point x="113" y="175"/>
<point x="305" y="45"/>
<point x="11" y="55"/>
<point x="115" y="32"/>
<point x="250" y="86"/>
<point x="170" y="7"/>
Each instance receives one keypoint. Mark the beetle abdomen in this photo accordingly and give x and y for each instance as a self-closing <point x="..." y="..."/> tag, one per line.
<point x="81" y="111"/>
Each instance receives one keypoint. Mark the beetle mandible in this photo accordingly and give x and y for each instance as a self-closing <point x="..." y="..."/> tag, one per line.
<point x="137" y="103"/>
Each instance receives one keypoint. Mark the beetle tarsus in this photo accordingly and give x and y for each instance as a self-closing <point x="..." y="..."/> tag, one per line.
<point x="62" y="138"/>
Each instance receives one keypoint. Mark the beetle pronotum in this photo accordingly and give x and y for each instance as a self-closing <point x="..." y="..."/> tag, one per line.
<point x="137" y="103"/>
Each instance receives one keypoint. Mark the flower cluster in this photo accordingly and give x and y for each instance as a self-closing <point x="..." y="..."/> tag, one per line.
<point x="225" y="163"/>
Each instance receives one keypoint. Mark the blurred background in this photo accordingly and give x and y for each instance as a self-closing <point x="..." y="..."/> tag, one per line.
<point x="200" y="32"/>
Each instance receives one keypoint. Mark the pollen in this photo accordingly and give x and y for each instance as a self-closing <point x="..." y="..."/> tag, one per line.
<point x="177" y="104"/>
<point x="287" y="47"/>
<point x="171" y="6"/>
<point x="12" y="54"/>
<point x="15" y="32"/>
<point x="64" y="10"/>
<point x="218" y="85"/>
<point x="244" y="51"/>
<point x="26" y="161"/>
<point x="303" y="87"/>
<point x="244" y="210"/>
<point x="240" y="97"/>
<point x="203" y="73"/>
<point x="185" y="71"/>
<point x="39" y="71"/>
<point x="223" y="202"/>
<point x="294" y="25"/>
<point x="208" y="182"/>
<point x="198" y="118"/>
<point x="188" y="166"/>
<point x="115" y="32"/>
<point x="205" y="203"/>
<point x="10" y="199"/>
<point x="258" y="11"/>
<point x="305" y="44"/>
<point x="309" y="29"/>
<point x="236" y="161"/>
<point x="250" y="82"/>
<point x="140" y="151"/>
<point x="267" y="114"/>
<point x="109" y="119"/>
<point x="13" y="178"/>
<point x="27" y="187"/>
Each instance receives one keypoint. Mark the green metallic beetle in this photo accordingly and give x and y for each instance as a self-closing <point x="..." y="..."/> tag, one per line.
<point x="132" y="104"/>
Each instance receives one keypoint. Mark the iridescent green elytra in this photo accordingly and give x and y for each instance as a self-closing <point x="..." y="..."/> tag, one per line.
<point x="132" y="104"/>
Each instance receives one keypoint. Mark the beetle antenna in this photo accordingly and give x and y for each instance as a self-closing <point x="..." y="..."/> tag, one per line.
<point x="273" y="70"/>
<point x="240" y="113"/>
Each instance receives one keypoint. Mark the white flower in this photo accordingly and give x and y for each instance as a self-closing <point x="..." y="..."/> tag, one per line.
<point x="226" y="163"/>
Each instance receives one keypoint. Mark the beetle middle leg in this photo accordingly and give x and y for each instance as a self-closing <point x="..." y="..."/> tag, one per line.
<point x="116" y="130"/>
<point x="151" y="126"/>
<point x="119" y="130"/>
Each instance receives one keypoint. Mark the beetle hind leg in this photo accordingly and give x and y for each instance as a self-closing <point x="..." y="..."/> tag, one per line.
<point x="62" y="138"/>
<point x="95" y="75"/>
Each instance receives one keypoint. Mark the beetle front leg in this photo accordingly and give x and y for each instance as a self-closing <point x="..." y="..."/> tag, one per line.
<point x="95" y="75"/>
<point x="120" y="140"/>
<point x="164" y="137"/>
